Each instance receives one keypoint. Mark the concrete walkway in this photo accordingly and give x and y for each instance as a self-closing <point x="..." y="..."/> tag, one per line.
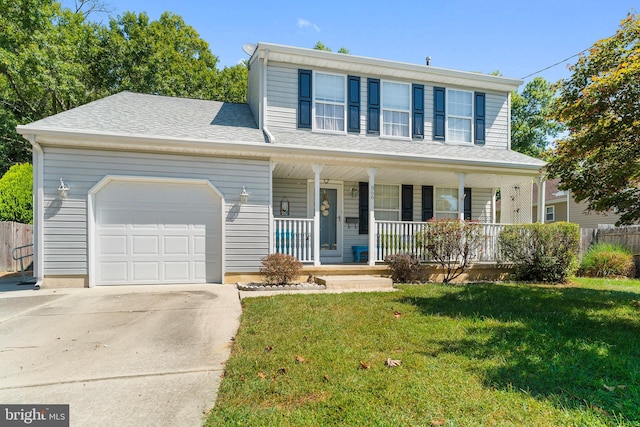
<point x="126" y="356"/>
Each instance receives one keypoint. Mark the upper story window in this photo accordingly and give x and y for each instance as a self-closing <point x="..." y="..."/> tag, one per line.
<point x="396" y="109"/>
<point x="459" y="115"/>
<point x="329" y="102"/>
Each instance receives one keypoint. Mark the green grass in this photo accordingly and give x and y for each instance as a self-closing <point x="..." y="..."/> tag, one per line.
<point x="480" y="354"/>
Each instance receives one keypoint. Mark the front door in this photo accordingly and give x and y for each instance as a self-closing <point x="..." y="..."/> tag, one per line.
<point x="330" y="203"/>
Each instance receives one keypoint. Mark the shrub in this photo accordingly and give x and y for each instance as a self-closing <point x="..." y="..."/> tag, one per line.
<point x="404" y="268"/>
<point x="280" y="269"/>
<point x="606" y="260"/>
<point x="541" y="252"/>
<point x="451" y="243"/>
<point x="16" y="194"/>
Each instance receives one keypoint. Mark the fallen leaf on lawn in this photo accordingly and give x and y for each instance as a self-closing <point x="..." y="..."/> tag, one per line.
<point x="392" y="363"/>
<point x="438" y="422"/>
<point x="397" y="314"/>
<point x="268" y="348"/>
<point x="326" y="377"/>
<point x="635" y="303"/>
<point x="301" y="359"/>
<point x="262" y="375"/>
<point x="282" y="371"/>
<point x="613" y="387"/>
<point x="364" y="365"/>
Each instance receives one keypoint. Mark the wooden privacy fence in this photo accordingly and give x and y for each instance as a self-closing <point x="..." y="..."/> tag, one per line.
<point x="12" y="235"/>
<point x="627" y="236"/>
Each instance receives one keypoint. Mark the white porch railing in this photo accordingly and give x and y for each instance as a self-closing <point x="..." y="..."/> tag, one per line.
<point x="293" y="236"/>
<point x="400" y="237"/>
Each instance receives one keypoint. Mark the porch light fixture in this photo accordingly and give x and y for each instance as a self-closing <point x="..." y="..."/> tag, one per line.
<point x="63" y="189"/>
<point x="244" y="196"/>
<point x="354" y="192"/>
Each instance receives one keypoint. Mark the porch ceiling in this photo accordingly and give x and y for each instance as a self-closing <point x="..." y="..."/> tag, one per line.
<point x="404" y="174"/>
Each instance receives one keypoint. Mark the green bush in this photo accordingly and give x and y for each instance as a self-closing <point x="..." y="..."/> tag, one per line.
<point x="280" y="269"/>
<point x="403" y="268"/>
<point x="606" y="260"/>
<point x="452" y="244"/>
<point x="16" y="194"/>
<point x="541" y="252"/>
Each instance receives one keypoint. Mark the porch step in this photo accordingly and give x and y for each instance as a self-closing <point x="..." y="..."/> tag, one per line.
<point x="354" y="282"/>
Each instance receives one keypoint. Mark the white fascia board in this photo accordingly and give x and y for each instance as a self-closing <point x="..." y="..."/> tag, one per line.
<point x="262" y="150"/>
<point x="385" y="68"/>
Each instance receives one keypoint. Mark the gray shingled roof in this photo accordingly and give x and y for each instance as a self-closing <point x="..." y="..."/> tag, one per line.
<point x="134" y="114"/>
<point x="429" y="150"/>
<point x="152" y="116"/>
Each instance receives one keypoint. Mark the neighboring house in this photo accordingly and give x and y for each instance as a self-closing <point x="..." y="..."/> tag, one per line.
<point x="560" y="206"/>
<point x="331" y="153"/>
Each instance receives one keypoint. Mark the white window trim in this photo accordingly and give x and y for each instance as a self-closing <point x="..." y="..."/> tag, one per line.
<point x="553" y="213"/>
<point x="344" y="104"/>
<point x="382" y="110"/>
<point x="447" y="115"/>
<point x="399" y="210"/>
<point x="435" y="202"/>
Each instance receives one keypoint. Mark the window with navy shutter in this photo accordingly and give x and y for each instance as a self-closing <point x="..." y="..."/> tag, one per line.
<point x="353" y="112"/>
<point x="373" y="106"/>
<point x="418" y="111"/>
<point x="407" y="202"/>
<point x="467" y="204"/>
<point x="427" y="202"/>
<point x="479" y="137"/>
<point x="438" y="113"/>
<point x="304" y="99"/>
<point x="363" y="208"/>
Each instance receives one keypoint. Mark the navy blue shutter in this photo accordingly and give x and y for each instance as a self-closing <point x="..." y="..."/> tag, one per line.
<point x="427" y="202"/>
<point x="353" y="112"/>
<point x="418" y="111"/>
<point x="304" y="99"/>
<point x="467" y="204"/>
<point x="479" y="119"/>
<point x="438" y="113"/>
<point x="373" y="106"/>
<point x="407" y="202"/>
<point x="363" y="208"/>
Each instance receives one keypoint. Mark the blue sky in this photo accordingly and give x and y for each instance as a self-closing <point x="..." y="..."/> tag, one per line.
<point x="515" y="37"/>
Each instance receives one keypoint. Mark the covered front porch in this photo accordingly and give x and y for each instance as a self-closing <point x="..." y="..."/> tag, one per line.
<point x="339" y="213"/>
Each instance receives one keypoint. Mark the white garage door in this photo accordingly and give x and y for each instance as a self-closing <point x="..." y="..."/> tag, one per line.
<point x="157" y="232"/>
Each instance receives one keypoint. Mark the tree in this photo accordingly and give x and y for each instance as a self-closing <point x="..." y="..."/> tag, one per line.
<point x="321" y="46"/>
<point x="599" y="161"/>
<point x="531" y="128"/>
<point x="16" y="194"/>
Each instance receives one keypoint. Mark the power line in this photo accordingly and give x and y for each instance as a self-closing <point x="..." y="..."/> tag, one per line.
<point x="557" y="63"/>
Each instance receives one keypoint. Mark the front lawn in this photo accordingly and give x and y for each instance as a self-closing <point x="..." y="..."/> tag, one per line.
<point x="480" y="354"/>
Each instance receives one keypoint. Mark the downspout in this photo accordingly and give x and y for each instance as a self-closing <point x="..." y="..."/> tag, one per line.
<point x="38" y="214"/>
<point x="263" y="106"/>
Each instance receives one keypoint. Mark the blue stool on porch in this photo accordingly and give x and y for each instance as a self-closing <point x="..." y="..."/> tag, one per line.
<point x="358" y="250"/>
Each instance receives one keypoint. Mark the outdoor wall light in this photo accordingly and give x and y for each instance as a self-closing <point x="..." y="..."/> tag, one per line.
<point x="354" y="192"/>
<point x="244" y="196"/>
<point x="63" y="189"/>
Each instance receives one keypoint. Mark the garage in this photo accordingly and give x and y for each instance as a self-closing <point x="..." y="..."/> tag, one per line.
<point x="156" y="231"/>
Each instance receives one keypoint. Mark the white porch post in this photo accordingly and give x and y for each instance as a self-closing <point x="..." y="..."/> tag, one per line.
<point x="542" y="211"/>
<point x="373" y="250"/>
<point x="316" y="214"/>
<point x="494" y="193"/>
<point x="461" y="177"/>
<point x="272" y="231"/>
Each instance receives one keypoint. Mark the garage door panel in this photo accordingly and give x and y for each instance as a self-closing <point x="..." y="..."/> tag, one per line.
<point x="176" y="245"/>
<point x="158" y="233"/>
<point x="145" y="245"/>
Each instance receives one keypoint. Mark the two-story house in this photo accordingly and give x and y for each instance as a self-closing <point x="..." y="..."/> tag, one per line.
<point x="331" y="154"/>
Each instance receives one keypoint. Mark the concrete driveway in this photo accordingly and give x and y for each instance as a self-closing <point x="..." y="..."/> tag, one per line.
<point x="129" y="356"/>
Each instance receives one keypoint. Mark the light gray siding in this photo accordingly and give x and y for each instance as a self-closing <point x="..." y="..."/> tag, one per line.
<point x="497" y="120"/>
<point x="481" y="204"/>
<point x="65" y="222"/>
<point x="282" y="96"/>
<point x="254" y="91"/>
<point x="295" y="191"/>
<point x="579" y="215"/>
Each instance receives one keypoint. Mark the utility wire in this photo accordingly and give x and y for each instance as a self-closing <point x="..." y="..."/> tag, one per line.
<point x="553" y="65"/>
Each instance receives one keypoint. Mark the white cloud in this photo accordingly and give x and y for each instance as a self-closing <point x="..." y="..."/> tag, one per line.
<point x="303" y="23"/>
